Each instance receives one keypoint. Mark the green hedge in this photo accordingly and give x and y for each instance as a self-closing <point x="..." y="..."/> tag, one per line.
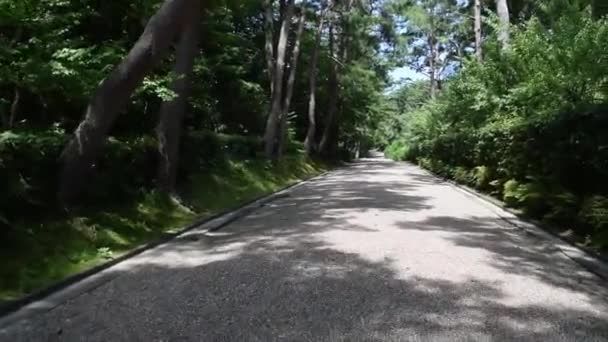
<point x="527" y="124"/>
<point x="555" y="171"/>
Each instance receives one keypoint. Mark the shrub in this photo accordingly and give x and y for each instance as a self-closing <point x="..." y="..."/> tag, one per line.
<point x="462" y="175"/>
<point x="28" y="171"/>
<point x="511" y="193"/>
<point x="563" y="208"/>
<point x="594" y="211"/>
<point x="482" y="177"/>
<point x="29" y="166"/>
<point x="397" y="151"/>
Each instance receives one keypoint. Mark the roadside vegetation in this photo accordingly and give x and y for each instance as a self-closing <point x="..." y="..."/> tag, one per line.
<point x="524" y="121"/>
<point x="121" y="121"/>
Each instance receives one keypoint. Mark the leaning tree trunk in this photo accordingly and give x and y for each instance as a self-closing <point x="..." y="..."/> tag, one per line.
<point x="113" y="93"/>
<point x="478" y="47"/>
<point x="326" y="140"/>
<point x="502" y="9"/>
<point x="289" y="87"/>
<point x="172" y="112"/>
<point x="309" y="143"/>
<point x="272" y="124"/>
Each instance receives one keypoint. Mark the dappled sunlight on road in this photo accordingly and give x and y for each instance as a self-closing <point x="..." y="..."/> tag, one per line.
<point x="375" y="251"/>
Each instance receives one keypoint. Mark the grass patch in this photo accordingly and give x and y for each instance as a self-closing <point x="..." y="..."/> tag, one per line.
<point x="36" y="254"/>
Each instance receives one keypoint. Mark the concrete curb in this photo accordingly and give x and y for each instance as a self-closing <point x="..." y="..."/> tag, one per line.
<point x="48" y="298"/>
<point x="589" y="260"/>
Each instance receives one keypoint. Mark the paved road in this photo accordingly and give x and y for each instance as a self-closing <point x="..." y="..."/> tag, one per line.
<point x="376" y="251"/>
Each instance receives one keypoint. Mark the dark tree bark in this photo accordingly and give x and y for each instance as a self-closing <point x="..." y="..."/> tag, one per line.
<point x="269" y="43"/>
<point x="272" y="124"/>
<point x="340" y="56"/>
<point x="433" y="66"/>
<point x="432" y="41"/>
<point x="326" y="145"/>
<point x="172" y="112"/>
<point x="8" y="121"/>
<point x="15" y="105"/>
<point x="289" y="87"/>
<point x="478" y="42"/>
<point x="310" y="143"/>
<point x="113" y="93"/>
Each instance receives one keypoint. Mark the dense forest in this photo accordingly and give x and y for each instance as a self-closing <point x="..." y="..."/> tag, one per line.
<point x="123" y="120"/>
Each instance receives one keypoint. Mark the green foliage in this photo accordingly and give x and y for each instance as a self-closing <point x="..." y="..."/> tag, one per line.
<point x="462" y="175"/>
<point x="482" y="177"/>
<point x="397" y="150"/>
<point x="595" y="213"/>
<point x="527" y="124"/>
<point x="595" y="210"/>
<point x="27" y="170"/>
<point x="38" y="251"/>
<point x="29" y="166"/>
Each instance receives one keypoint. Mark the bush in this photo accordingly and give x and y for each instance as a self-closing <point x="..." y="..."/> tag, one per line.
<point x="28" y="171"/>
<point x="563" y="208"/>
<point x="594" y="212"/>
<point x="531" y="196"/>
<point x="204" y="149"/>
<point x="241" y="146"/>
<point x="512" y="194"/>
<point x="29" y="166"/>
<point x="397" y="151"/>
<point x="462" y="175"/>
<point x="482" y="177"/>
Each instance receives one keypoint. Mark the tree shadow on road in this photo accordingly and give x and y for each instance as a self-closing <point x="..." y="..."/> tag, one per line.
<point x="515" y="251"/>
<point x="301" y="290"/>
<point x="275" y="275"/>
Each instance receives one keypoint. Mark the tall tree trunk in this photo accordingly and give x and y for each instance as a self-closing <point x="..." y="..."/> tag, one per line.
<point x="326" y="141"/>
<point x="433" y="65"/>
<point x="269" y="43"/>
<point x="172" y="112"/>
<point x="272" y="124"/>
<point x="4" y="117"/>
<point x="432" y="40"/>
<point x="113" y="93"/>
<point x="44" y="111"/>
<point x="289" y="87"/>
<point x="8" y="121"/>
<point x="14" y="108"/>
<point x="309" y="143"/>
<point x="341" y="58"/>
<point x="478" y="47"/>
<point x="502" y="9"/>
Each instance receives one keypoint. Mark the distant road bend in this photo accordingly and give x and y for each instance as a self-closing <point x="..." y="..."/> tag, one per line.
<point x="378" y="251"/>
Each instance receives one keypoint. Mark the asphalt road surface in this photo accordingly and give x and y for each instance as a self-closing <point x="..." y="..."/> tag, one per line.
<point x="378" y="251"/>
